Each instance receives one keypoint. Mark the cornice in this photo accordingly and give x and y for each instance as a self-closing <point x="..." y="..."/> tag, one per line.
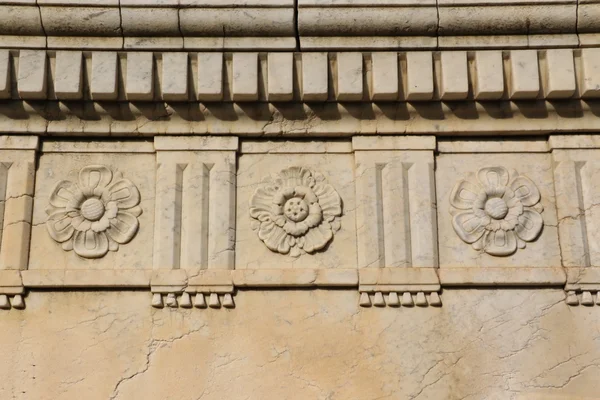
<point x="553" y="74"/>
<point x="297" y="94"/>
<point x="301" y="25"/>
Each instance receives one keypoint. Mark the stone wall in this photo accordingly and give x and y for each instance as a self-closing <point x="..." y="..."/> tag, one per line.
<point x="346" y="199"/>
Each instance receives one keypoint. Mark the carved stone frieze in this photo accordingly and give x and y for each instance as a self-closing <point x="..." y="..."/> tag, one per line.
<point x="296" y="211"/>
<point x="95" y="214"/>
<point x="496" y="211"/>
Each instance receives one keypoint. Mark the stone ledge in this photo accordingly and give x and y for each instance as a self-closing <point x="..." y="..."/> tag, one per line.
<point x="367" y="280"/>
<point x="296" y="278"/>
<point x="509" y="276"/>
<point x="61" y="278"/>
<point x="128" y="120"/>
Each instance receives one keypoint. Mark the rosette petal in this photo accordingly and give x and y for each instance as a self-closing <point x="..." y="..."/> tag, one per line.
<point x="80" y="223"/>
<point x="261" y="203"/>
<point x="495" y="191"/>
<point x="493" y="176"/>
<point x="306" y="193"/>
<point x="123" y="192"/>
<point x="529" y="225"/>
<point x="329" y="200"/>
<point x="296" y="176"/>
<point x="274" y="237"/>
<point x="93" y="179"/>
<point x="464" y="194"/>
<point x="295" y="228"/>
<point x="101" y="225"/>
<point x="525" y="191"/>
<point x="468" y="226"/>
<point x="122" y="228"/>
<point x="315" y="215"/>
<point x="90" y="244"/>
<point x="317" y="238"/>
<point x="59" y="226"/>
<point x="66" y="195"/>
<point x="500" y="243"/>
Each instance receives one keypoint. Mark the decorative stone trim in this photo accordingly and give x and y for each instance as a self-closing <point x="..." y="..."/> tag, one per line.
<point x="397" y="299"/>
<point x="284" y="77"/>
<point x="390" y="248"/>
<point x="329" y="120"/>
<point x="148" y="24"/>
<point x="285" y="24"/>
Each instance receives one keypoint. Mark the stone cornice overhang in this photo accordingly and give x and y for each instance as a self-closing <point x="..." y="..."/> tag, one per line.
<point x="297" y="24"/>
<point x="341" y="93"/>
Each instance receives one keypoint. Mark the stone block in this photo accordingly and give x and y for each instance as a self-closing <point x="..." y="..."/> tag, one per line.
<point x="560" y="80"/>
<point x="590" y="82"/>
<point x="32" y="74"/>
<point x="4" y="74"/>
<point x="140" y="76"/>
<point x="489" y="75"/>
<point x="174" y="82"/>
<point x="68" y="78"/>
<point x="103" y="85"/>
<point x="385" y="76"/>
<point x="524" y="74"/>
<point x="315" y="77"/>
<point x="454" y="75"/>
<point x="349" y="76"/>
<point x="210" y="76"/>
<point x="245" y="77"/>
<point x="280" y="76"/>
<point x="419" y="76"/>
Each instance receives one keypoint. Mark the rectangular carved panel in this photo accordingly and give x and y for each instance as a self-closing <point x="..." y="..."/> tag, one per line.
<point x="396" y="220"/>
<point x="195" y="207"/>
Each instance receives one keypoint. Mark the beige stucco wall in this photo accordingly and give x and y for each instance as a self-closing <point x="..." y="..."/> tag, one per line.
<point x="300" y="344"/>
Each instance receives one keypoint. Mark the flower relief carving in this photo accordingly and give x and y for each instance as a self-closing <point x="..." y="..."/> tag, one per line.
<point x="496" y="211"/>
<point x="95" y="214"/>
<point x="296" y="211"/>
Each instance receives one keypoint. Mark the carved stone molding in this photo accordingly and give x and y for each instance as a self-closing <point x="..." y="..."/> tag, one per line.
<point x="296" y="211"/>
<point x="393" y="250"/>
<point x="566" y="73"/>
<point x="288" y="24"/>
<point x="95" y="214"/>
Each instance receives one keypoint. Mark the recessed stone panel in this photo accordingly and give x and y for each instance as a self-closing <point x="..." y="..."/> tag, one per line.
<point x="496" y="210"/>
<point x="93" y="211"/>
<point x="295" y="211"/>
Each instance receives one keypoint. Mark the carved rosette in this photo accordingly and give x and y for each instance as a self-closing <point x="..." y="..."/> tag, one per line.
<point x="296" y="211"/>
<point x="495" y="213"/>
<point x="96" y="214"/>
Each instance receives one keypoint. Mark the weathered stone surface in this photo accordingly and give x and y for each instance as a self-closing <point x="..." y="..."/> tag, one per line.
<point x="504" y="344"/>
<point x="311" y="199"/>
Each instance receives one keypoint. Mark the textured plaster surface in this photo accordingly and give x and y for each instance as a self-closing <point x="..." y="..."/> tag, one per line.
<point x="482" y="344"/>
